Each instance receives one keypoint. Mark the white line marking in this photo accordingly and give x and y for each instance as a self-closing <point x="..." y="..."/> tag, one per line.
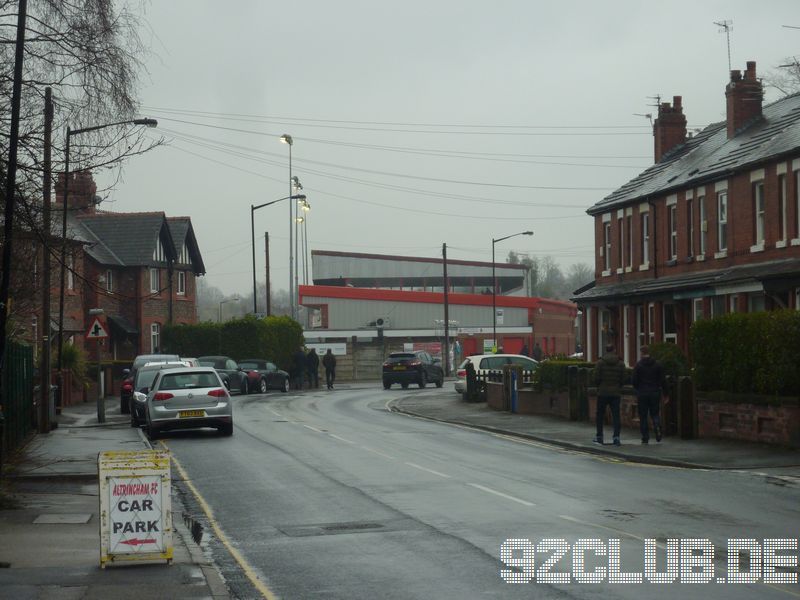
<point x="333" y="435"/>
<point x="501" y="494"/>
<point x="274" y="412"/>
<point x="427" y="470"/>
<point x="313" y="428"/>
<point x="614" y="529"/>
<point x="368" y="449"/>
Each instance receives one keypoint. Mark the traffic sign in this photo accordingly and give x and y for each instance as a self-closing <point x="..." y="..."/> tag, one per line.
<point x="96" y="331"/>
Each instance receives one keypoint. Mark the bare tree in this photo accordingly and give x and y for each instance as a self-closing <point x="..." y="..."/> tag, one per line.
<point x="785" y="77"/>
<point x="90" y="54"/>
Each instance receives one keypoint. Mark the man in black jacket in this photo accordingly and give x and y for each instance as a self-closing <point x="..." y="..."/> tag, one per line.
<point x="609" y="376"/>
<point x="648" y="381"/>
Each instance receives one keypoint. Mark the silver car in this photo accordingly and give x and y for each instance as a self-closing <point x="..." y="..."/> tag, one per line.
<point x="188" y="398"/>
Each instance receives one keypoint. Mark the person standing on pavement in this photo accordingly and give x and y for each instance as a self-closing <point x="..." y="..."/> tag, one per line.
<point x="312" y="368"/>
<point x="329" y="362"/>
<point x="299" y="367"/>
<point x="537" y="352"/>
<point x="649" y="383"/>
<point x="609" y="375"/>
<point x="525" y="351"/>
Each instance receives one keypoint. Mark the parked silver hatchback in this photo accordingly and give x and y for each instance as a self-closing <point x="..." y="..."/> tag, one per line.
<point x="188" y="398"/>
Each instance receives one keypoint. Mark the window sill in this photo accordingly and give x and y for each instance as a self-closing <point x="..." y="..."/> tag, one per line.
<point x="700" y="258"/>
<point x="628" y="269"/>
<point x="605" y="274"/>
<point x="644" y="266"/>
<point x="795" y="242"/>
<point x="723" y="254"/>
<point x="757" y="248"/>
<point x="619" y="271"/>
<point x="780" y="244"/>
<point x="671" y="262"/>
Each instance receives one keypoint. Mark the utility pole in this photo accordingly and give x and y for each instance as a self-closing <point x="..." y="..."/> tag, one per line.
<point x="446" y="312"/>
<point x="269" y="290"/>
<point x="44" y="384"/>
<point x="11" y="184"/>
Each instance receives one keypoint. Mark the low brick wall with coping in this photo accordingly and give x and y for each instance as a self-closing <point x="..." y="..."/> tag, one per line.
<point x="771" y="421"/>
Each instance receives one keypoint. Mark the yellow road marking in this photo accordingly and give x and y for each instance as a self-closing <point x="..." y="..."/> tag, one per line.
<point x="248" y="570"/>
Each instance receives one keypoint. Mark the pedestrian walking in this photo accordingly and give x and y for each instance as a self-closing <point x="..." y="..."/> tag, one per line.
<point x="525" y="351"/>
<point x="537" y="352"/>
<point x="299" y="368"/>
<point x="650" y="385"/>
<point x="329" y="362"/>
<point x="609" y="375"/>
<point x="312" y="368"/>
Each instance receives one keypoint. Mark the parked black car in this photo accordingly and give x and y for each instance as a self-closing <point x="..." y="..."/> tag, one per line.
<point x="126" y="389"/>
<point x="232" y="376"/>
<point x="263" y="375"/>
<point x="412" y="367"/>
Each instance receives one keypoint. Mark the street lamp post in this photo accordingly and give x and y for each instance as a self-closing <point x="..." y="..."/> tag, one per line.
<point x="305" y="207"/>
<point x="221" y="302"/>
<point x="253" y="209"/>
<point x="494" y="285"/>
<point x="287" y="139"/>
<point x="70" y="133"/>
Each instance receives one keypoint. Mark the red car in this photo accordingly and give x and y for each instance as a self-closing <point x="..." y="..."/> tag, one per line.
<point x="263" y="375"/>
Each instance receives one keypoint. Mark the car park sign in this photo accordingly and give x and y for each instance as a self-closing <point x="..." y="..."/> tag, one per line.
<point x="135" y="507"/>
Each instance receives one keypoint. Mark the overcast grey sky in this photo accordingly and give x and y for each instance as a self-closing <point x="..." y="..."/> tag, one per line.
<point x="421" y="122"/>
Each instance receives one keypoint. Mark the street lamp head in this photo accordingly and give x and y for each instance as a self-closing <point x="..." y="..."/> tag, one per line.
<point x="299" y="219"/>
<point x="296" y="183"/>
<point x="527" y="233"/>
<point x="287" y="139"/>
<point x="304" y="205"/>
<point x="147" y="122"/>
<point x="299" y="197"/>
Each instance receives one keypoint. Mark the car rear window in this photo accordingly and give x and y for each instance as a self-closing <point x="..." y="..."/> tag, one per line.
<point x="182" y="381"/>
<point x="217" y="364"/>
<point x="249" y="365"/>
<point x="144" y="378"/>
<point x="396" y="358"/>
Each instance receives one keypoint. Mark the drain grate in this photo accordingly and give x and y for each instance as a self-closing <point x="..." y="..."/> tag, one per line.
<point x="351" y="526"/>
<point x="333" y="528"/>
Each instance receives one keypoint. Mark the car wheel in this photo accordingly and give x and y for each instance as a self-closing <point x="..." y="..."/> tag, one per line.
<point x="404" y="386"/>
<point x="387" y="385"/>
<point x="423" y="380"/>
<point x="285" y="387"/>
<point x="124" y="406"/>
<point x="226" y="429"/>
<point x="440" y="381"/>
<point x="262" y="386"/>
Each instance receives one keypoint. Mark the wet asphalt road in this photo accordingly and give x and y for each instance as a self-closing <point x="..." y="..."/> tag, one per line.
<point x="326" y="494"/>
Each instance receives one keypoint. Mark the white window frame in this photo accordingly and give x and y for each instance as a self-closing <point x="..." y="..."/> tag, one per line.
<point x="155" y="280"/>
<point x="651" y="320"/>
<point x="645" y="223"/>
<point x="629" y="233"/>
<point x="697" y="310"/>
<point x="109" y="280"/>
<point x="690" y="224"/>
<point x="796" y="240"/>
<point x="184" y="257"/>
<point x="722" y="221"/>
<point x="70" y="272"/>
<point x="607" y="247"/>
<point x="158" y="252"/>
<point x="703" y="219"/>
<point x="797" y="298"/>
<point x="672" y="337"/>
<point x="672" y="216"/>
<point x="732" y="302"/>
<point x="783" y="212"/>
<point x="155" y="337"/>
<point x="759" y="215"/>
<point x="181" y="283"/>
<point x="621" y="241"/>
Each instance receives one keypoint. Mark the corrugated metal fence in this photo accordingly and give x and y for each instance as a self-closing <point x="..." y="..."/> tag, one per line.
<point x="17" y="383"/>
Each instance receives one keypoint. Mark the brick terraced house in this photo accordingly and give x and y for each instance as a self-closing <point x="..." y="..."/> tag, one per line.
<point x="140" y="268"/>
<point x="712" y="227"/>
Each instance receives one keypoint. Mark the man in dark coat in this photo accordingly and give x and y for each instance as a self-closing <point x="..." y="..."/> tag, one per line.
<point x="329" y="362"/>
<point x="524" y="351"/>
<point x="609" y="375"/>
<point x="648" y="381"/>
<point x="299" y="367"/>
<point x="312" y="368"/>
<point x="537" y="352"/>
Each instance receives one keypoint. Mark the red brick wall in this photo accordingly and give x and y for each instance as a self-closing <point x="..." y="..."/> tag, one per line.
<point x="751" y="422"/>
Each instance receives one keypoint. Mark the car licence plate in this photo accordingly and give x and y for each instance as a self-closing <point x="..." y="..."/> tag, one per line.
<point x="184" y="414"/>
<point x="399" y="368"/>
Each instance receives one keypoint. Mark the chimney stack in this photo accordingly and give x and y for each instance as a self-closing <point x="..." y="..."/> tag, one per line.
<point x="82" y="190"/>
<point x="744" y="96"/>
<point x="669" y="129"/>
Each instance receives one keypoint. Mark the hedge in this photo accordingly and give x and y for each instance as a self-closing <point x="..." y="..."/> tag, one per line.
<point x="748" y="353"/>
<point x="273" y="338"/>
<point x="552" y="373"/>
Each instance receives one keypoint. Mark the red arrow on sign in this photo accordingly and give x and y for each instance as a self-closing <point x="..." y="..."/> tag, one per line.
<point x="138" y="542"/>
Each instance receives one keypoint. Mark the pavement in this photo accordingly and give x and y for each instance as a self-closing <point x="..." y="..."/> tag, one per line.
<point x="49" y="521"/>
<point x="447" y="406"/>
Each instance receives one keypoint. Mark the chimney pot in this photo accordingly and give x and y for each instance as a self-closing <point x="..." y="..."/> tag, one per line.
<point x="743" y="99"/>
<point x="676" y="102"/>
<point x="736" y="75"/>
